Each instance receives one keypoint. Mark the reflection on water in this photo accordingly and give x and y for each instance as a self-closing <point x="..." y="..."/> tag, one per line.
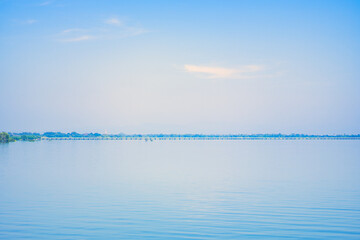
<point x="180" y="189"/>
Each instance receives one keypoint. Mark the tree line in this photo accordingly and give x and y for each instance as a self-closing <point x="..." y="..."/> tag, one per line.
<point x="33" y="136"/>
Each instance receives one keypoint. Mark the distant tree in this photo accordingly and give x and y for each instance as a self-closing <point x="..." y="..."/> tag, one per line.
<point x="5" y="137"/>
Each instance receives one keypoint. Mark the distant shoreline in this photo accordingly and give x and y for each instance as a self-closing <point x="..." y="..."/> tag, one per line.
<point x="198" y="138"/>
<point x="49" y="136"/>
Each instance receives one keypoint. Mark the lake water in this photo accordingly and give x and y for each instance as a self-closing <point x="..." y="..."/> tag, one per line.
<point x="180" y="190"/>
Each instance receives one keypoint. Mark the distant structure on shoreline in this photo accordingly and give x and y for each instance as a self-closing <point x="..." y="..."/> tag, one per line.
<point x="27" y="136"/>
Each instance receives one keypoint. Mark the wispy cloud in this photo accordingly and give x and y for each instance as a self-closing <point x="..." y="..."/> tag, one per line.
<point x="72" y="30"/>
<point x="242" y="72"/>
<point x="104" y="32"/>
<point x="78" y="39"/>
<point x="211" y="72"/>
<point x="113" y="21"/>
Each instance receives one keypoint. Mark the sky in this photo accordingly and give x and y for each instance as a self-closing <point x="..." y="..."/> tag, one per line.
<point x="185" y="66"/>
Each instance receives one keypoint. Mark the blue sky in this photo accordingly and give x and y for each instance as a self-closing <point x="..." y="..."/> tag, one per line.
<point x="180" y="66"/>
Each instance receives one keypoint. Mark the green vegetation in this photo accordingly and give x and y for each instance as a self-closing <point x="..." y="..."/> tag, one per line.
<point x="5" y="137"/>
<point x="26" y="136"/>
<point x="30" y="136"/>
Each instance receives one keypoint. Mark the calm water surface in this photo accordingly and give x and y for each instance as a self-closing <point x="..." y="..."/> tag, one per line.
<point x="180" y="190"/>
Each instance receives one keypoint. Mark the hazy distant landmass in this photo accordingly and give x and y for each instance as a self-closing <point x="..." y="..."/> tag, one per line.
<point x="30" y="136"/>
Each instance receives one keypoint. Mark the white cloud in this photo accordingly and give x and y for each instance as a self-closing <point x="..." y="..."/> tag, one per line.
<point x="212" y="72"/>
<point x="113" y="21"/>
<point x="78" y="39"/>
<point x="243" y="72"/>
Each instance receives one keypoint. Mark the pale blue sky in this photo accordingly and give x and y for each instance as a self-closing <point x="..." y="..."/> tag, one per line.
<point x="180" y="66"/>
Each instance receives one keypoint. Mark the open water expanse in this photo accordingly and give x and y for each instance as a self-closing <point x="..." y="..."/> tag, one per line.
<point x="180" y="190"/>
